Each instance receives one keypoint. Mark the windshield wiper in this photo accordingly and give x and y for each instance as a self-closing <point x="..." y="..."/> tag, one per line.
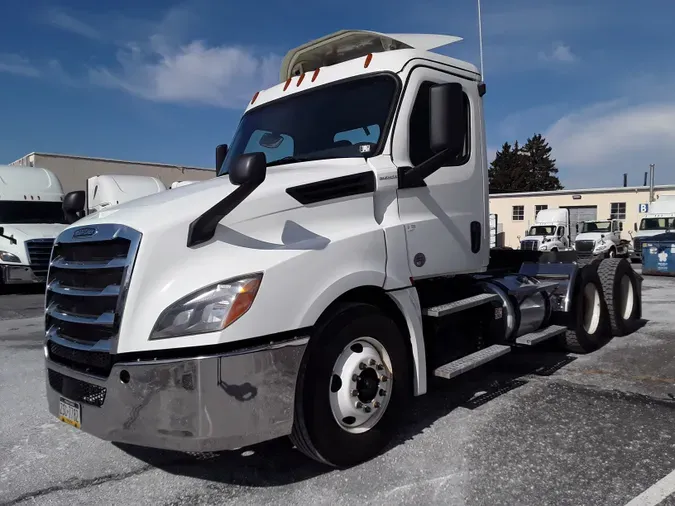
<point x="292" y="159"/>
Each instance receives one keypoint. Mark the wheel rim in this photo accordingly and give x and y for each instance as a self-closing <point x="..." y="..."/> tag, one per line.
<point x="361" y="385"/>
<point x="591" y="308"/>
<point x="627" y="297"/>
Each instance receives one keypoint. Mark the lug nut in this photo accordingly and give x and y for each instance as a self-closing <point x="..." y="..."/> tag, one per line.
<point x="359" y="405"/>
<point x="380" y="367"/>
<point x="376" y="404"/>
<point x="371" y="361"/>
<point x="383" y="392"/>
<point x="362" y="366"/>
<point x="355" y="377"/>
<point x="355" y="393"/>
<point x="384" y="379"/>
<point x="366" y="409"/>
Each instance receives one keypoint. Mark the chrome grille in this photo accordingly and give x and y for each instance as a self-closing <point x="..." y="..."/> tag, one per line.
<point x="87" y="282"/>
<point x="637" y="246"/>
<point x="39" y="251"/>
<point x="584" y="246"/>
<point x="529" y="245"/>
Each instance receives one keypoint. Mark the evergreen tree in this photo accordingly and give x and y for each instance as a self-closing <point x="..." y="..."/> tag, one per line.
<point x="539" y="165"/>
<point x="524" y="169"/>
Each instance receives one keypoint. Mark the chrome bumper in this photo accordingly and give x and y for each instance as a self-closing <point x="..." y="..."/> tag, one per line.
<point x="200" y="404"/>
<point x="19" y="275"/>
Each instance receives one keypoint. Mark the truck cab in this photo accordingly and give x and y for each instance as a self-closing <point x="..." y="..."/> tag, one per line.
<point x="550" y="232"/>
<point x="340" y="260"/>
<point x="30" y="219"/>
<point x="660" y="219"/>
<point x="600" y="237"/>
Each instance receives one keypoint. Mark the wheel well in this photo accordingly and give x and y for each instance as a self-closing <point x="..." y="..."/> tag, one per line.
<point x="375" y="296"/>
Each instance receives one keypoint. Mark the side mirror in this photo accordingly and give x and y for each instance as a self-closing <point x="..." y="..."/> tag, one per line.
<point x="221" y="153"/>
<point x="2" y="230"/>
<point x="621" y="226"/>
<point x="576" y="227"/>
<point x="447" y="119"/>
<point x="249" y="169"/>
<point x="73" y="205"/>
<point x="635" y="227"/>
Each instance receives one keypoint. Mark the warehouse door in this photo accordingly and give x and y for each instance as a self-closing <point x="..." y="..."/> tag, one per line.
<point x="579" y="214"/>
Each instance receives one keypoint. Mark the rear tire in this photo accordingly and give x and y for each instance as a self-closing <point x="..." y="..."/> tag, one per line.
<point x="620" y="288"/>
<point x="590" y="318"/>
<point x="351" y="353"/>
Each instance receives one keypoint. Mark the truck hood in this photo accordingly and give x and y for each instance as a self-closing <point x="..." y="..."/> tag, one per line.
<point x="650" y="233"/>
<point x="180" y="206"/>
<point x="589" y="236"/>
<point x="539" y="238"/>
<point x="27" y="231"/>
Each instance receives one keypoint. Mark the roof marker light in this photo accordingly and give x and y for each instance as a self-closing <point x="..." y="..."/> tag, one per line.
<point x="368" y="58"/>
<point x="288" y="82"/>
<point x="316" y="74"/>
<point x="302" y="76"/>
<point x="255" y="96"/>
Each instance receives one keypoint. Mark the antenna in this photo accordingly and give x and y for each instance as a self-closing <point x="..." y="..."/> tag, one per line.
<point x="480" y="41"/>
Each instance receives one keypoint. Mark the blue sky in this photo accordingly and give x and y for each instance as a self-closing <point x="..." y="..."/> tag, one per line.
<point x="166" y="82"/>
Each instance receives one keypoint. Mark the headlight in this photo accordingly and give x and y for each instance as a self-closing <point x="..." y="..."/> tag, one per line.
<point x="8" y="257"/>
<point x="209" y="309"/>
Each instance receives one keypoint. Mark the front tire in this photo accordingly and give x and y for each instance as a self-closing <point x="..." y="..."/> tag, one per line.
<point x="353" y="386"/>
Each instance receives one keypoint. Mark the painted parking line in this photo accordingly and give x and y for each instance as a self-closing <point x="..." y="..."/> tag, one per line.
<point x="656" y="493"/>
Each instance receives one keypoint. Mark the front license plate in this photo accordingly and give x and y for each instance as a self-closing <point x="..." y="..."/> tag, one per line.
<point x="70" y="412"/>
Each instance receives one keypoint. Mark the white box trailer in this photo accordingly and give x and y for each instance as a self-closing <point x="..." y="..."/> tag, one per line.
<point x="30" y="219"/>
<point x="340" y="260"/>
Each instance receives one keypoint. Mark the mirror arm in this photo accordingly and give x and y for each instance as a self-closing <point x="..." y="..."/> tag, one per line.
<point x="10" y="238"/>
<point x="203" y="228"/>
<point x="411" y="177"/>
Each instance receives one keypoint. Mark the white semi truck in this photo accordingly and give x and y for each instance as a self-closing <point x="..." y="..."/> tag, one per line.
<point x="550" y="232"/>
<point x="660" y="219"/>
<point x="601" y="238"/>
<point x="340" y="260"/>
<point x="30" y="219"/>
<point x="107" y="190"/>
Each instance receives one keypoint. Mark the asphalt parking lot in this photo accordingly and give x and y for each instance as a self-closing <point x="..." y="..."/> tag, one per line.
<point x="536" y="428"/>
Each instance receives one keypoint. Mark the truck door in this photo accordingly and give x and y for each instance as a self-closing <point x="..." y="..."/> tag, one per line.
<point x="445" y="221"/>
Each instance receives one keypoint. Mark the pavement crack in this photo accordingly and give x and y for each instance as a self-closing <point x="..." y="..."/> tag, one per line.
<point x="77" y="484"/>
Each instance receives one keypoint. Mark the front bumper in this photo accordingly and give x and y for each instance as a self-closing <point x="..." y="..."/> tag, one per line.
<point x="206" y="403"/>
<point x="19" y="275"/>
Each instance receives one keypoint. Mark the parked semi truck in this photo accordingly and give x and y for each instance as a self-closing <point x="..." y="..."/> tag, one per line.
<point x="339" y="262"/>
<point x="30" y="219"/>
<point x="107" y="190"/>
<point x="659" y="220"/>
<point x="601" y="238"/>
<point x="550" y="232"/>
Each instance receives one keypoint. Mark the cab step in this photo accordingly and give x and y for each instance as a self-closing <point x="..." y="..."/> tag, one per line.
<point x="460" y="305"/>
<point x="540" y="335"/>
<point x="465" y="364"/>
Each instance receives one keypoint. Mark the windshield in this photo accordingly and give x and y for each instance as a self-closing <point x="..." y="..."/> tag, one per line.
<point x="542" y="230"/>
<point x="657" y="223"/>
<point x="596" y="226"/>
<point x="20" y="211"/>
<point x="342" y="120"/>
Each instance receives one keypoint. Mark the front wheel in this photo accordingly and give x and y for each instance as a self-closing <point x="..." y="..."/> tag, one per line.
<point x="353" y="386"/>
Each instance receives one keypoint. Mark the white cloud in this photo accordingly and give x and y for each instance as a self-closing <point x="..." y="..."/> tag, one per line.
<point x="17" y="65"/>
<point x="66" y="22"/>
<point x="224" y="76"/>
<point x="596" y="145"/>
<point x="559" y="53"/>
